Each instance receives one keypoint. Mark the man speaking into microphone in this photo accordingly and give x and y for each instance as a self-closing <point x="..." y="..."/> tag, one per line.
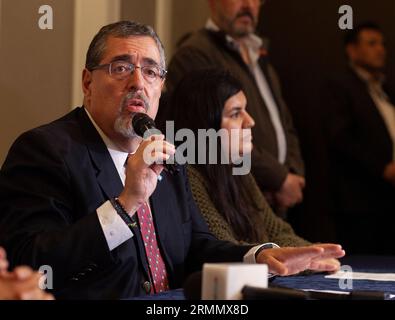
<point x="106" y="226"/>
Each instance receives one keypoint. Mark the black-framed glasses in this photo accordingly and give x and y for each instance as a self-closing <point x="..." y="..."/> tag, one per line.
<point x="121" y="70"/>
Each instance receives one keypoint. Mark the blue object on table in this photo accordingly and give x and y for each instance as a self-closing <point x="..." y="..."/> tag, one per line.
<point x="380" y="264"/>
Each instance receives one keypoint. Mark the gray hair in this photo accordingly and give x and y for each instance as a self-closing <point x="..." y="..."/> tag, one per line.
<point x="121" y="29"/>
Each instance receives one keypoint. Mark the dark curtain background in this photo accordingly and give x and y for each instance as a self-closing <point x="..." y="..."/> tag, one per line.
<point x="305" y="44"/>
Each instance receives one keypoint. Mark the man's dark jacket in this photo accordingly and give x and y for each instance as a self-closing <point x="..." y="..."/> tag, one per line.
<point x="52" y="182"/>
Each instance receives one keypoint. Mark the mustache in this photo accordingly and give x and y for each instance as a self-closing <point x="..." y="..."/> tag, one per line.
<point x="135" y="95"/>
<point x="245" y="13"/>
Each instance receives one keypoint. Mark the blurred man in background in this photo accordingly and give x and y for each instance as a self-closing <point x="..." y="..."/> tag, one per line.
<point x="361" y="132"/>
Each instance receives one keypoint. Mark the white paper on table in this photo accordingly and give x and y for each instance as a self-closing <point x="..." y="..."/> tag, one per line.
<point x="327" y="291"/>
<point x="362" y="276"/>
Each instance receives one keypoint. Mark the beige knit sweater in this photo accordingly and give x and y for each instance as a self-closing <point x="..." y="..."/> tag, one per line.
<point x="275" y="229"/>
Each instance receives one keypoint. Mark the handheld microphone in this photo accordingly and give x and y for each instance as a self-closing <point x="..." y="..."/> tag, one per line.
<point x="142" y="123"/>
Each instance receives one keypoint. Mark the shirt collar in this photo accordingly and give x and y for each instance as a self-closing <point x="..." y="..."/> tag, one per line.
<point x="252" y="41"/>
<point x="118" y="156"/>
<point x="367" y="76"/>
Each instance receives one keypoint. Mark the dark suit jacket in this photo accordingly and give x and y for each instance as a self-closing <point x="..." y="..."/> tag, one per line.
<point x="52" y="182"/>
<point x="360" y="147"/>
<point x="210" y="49"/>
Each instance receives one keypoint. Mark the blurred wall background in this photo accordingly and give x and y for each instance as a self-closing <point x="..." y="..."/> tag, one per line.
<point x="35" y="67"/>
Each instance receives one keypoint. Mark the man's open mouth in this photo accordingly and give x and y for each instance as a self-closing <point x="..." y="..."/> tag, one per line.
<point x="135" y="105"/>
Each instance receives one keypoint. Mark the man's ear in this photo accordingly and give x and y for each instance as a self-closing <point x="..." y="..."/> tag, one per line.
<point x="86" y="82"/>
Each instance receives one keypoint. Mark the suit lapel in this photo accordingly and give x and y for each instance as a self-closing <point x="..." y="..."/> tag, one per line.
<point x="158" y="207"/>
<point x="371" y="109"/>
<point x="263" y="63"/>
<point x="107" y="175"/>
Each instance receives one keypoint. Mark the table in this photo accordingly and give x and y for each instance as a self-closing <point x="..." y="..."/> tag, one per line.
<point x="381" y="264"/>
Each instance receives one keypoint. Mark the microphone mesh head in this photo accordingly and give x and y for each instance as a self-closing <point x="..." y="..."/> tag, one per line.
<point x="142" y="122"/>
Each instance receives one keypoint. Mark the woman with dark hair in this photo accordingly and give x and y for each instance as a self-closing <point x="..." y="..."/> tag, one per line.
<point x="232" y="205"/>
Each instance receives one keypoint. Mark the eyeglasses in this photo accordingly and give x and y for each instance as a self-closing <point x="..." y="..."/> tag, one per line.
<point x="121" y="70"/>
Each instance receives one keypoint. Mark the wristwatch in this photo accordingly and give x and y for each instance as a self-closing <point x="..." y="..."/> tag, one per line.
<point x="269" y="245"/>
